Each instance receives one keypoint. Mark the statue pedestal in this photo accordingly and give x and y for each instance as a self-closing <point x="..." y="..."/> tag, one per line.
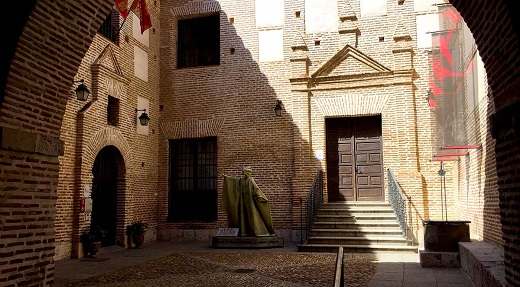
<point x="247" y="242"/>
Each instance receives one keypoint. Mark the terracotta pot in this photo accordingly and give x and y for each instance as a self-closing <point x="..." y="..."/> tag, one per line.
<point x="138" y="240"/>
<point x="92" y="248"/>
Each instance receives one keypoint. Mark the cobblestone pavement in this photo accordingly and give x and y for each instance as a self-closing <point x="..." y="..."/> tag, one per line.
<point x="174" y="264"/>
<point x="228" y="268"/>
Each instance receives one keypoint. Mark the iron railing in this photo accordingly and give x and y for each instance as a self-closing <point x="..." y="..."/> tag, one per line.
<point x="312" y="204"/>
<point x="399" y="204"/>
<point x="110" y="27"/>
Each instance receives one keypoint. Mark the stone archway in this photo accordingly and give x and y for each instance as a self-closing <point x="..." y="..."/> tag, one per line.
<point x="44" y="48"/>
<point x="501" y="54"/>
<point x="44" y="54"/>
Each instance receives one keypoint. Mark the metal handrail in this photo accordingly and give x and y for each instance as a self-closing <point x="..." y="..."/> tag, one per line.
<point x="312" y="205"/>
<point x="339" y="273"/>
<point x="399" y="204"/>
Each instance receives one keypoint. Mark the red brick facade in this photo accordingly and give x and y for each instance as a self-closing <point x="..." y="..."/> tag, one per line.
<point x="49" y="141"/>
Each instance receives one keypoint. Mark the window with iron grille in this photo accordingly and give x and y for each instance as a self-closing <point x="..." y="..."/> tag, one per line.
<point x="199" y="42"/>
<point x="193" y="179"/>
<point x="110" y="28"/>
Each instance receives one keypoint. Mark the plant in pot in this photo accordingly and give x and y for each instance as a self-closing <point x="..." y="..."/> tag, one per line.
<point x="91" y="238"/>
<point x="136" y="231"/>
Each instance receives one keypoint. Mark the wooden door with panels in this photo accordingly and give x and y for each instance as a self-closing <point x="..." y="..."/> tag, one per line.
<point x="354" y="159"/>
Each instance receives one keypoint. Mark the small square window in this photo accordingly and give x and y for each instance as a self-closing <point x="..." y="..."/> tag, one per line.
<point x="113" y="111"/>
<point x="199" y="42"/>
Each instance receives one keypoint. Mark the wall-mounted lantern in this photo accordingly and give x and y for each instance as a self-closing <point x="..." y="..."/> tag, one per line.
<point x="82" y="92"/>
<point x="278" y="108"/>
<point x="143" y="118"/>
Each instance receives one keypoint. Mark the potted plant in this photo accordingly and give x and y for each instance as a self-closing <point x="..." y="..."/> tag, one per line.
<point x="136" y="231"/>
<point x="91" y="238"/>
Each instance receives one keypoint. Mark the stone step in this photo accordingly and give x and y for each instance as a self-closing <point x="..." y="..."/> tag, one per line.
<point x="354" y="212"/>
<point x="334" y="218"/>
<point x="374" y="248"/>
<point x="375" y="216"/>
<point x="383" y="240"/>
<point x="356" y="224"/>
<point x="359" y="217"/>
<point x="356" y="204"/>
<point x="357" y="232"/>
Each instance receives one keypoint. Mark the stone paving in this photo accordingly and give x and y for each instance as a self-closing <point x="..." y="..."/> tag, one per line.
<point x="197" y="264"/>
<point x="236" y="269"/>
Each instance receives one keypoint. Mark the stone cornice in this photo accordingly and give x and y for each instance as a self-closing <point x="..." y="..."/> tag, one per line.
<point x="345" y="82"/>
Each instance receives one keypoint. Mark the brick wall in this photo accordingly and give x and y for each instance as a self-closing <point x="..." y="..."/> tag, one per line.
<point x="238" y="97"/>
<point x="108" y="70"/>
<point x="28" y="186"/>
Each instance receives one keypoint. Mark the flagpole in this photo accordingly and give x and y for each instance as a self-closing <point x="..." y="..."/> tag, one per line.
<point x="124" y="20"/>
<point x="122" y="23"/>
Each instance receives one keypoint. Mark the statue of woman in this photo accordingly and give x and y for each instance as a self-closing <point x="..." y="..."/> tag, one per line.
<point x="246" y="206"/>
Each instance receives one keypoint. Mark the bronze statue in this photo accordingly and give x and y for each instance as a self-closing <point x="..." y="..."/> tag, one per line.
<point x="247" y="208"/>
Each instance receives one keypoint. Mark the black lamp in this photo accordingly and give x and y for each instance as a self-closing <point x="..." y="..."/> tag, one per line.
<point x="82" y="92"/>
<point x="143" y="118"/>
<point x="278" y="108"/>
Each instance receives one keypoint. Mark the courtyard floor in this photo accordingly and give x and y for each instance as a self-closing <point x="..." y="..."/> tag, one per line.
<point x="182" y="264"/>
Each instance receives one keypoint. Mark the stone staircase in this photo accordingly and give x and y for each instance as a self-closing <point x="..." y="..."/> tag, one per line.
<point x="360" y="227"/>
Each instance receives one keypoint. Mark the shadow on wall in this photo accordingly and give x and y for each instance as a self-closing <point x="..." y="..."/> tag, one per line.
<point x="236" y="100"/>
<point x="491" y="211"/>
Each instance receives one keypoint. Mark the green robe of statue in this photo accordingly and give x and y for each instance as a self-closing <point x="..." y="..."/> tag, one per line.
<point x="246" y="207"/>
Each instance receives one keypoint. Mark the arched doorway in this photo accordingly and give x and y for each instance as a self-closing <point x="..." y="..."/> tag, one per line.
<point x="107" y="188"/>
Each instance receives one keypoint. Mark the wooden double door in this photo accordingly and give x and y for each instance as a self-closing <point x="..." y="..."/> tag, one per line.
<point x="354" y="159"/>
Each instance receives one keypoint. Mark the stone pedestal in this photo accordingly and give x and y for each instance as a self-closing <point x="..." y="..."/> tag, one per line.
<point x="247" y="242"/>
<point x="441" y="243"/>
<point x="445" y="236"/>
<point x="439" y="259"/>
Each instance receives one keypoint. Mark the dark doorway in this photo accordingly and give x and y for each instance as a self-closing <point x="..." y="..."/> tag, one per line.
<point x="354" y="159"/>
<point x="104" y="193"/>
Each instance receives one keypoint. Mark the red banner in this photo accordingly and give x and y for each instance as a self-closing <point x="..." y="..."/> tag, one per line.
<point x="122" y="7"/>
<point x="140" y="9"/>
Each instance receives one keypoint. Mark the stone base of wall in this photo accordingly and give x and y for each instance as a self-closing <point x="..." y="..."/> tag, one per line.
<point x="63" y="250"/>
<point x="439" y="259"/>
<point x="483" y="263"/>
<point x="247" y="242"/>
<point x="205" y="235"/>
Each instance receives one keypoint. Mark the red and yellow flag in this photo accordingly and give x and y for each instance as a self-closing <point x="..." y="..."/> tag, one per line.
<point x="122" y="7"/>
<point x="140" y="9"/>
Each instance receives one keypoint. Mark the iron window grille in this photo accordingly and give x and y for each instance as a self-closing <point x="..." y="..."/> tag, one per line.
<point x="193" y="179"/>
<point x="199" y="42"/>
<point x="110" y="27"/>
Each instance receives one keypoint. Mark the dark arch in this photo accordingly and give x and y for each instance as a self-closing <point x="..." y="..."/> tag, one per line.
<point x="108" y="194"/>
<point x="19" y="13"/>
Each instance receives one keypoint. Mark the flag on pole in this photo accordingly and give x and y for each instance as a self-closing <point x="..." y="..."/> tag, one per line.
<point x="122" y="7"/>
<point x="140" y="9"/>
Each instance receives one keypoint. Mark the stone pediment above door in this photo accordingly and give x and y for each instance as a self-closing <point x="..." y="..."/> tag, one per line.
<point x="349" y="61"/>
<point x="108" y="60"/>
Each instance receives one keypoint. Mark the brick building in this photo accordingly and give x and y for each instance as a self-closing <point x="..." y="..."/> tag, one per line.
<point x="347" y="74"/>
